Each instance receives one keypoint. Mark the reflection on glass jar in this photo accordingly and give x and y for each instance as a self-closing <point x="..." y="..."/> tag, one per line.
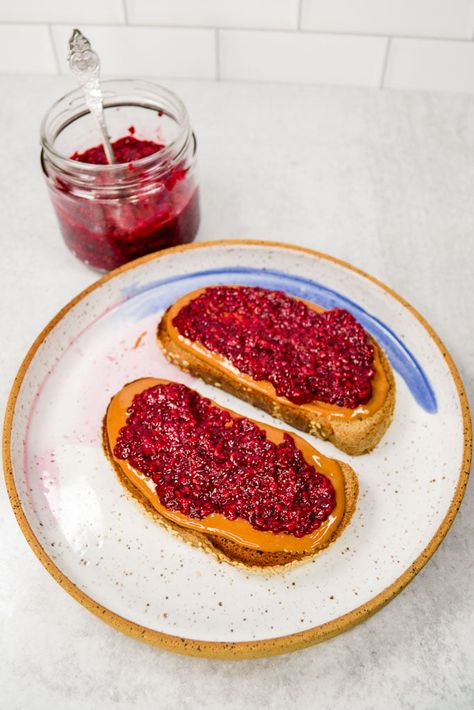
<point x="148" y="199"/>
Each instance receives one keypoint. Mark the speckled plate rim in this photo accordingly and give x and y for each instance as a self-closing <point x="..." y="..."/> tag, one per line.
<point x="241" y="649"/>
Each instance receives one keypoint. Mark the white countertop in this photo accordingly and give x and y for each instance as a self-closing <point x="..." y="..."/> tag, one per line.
<point x="384" y="180"/>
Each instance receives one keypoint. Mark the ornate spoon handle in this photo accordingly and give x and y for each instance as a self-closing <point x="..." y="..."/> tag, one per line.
<point x="85" y="65"/>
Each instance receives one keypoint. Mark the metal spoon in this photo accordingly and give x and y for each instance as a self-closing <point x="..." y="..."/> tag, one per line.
<point x="85" y="65"/>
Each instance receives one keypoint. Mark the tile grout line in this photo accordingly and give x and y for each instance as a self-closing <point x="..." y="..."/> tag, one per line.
<point x="54" y="48"/>
<point x="300" y="15"/>
<point x="282" y="30"/>
<point x="217" y="51"/>
<point x="125" y="12"/>
<point x="385" y="63"/>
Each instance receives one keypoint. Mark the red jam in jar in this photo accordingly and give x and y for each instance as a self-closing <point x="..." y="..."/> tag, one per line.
<point x="126" y="150"/>
<point x="148" y="199"/>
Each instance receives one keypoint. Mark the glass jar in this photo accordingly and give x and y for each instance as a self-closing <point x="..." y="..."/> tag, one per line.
<point x="110" y="214"/>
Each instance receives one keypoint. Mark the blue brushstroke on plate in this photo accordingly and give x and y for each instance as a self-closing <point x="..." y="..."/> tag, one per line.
<point x="157" y="295"/>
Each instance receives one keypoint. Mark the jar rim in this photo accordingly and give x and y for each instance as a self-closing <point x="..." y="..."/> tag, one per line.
<point x="169" y="152"/>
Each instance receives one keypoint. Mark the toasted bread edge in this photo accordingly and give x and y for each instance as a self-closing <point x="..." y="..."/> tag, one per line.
<point x="226" y="550"/>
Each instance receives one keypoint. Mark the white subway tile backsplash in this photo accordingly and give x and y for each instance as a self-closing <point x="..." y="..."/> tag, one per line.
<point x="26" y="49"/>
<point x="408" y="44"/>
<point x="423" y="18"/>
<point x="259" y="14"/>
<point x="147" y="51"/>
<point x="432" y="65"/>
<point x="57" y="11"/>
<point x="301" y="57"/>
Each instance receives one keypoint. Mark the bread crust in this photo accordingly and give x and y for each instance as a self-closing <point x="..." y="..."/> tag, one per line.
<point x="226" y="550"/>
<point x="353" y="436"/>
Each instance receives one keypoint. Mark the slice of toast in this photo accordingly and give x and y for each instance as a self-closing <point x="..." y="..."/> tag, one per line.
<point x="352" y="431"/>
<point x="233" y="541"/>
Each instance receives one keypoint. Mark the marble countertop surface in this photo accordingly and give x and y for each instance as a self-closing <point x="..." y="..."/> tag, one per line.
<point x="384" y="180"/>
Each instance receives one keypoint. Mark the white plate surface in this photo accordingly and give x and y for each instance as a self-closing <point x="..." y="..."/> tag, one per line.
<point x="110" y="549"/>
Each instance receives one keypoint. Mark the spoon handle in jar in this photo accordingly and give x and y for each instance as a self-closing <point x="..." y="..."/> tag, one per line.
<point x="85" y="65"/>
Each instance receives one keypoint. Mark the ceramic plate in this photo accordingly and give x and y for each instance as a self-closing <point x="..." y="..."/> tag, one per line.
<point x="105" y="550"/>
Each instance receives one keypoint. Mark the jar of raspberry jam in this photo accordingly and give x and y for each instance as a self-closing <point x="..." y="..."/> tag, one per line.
<point x="147" y="199"/>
